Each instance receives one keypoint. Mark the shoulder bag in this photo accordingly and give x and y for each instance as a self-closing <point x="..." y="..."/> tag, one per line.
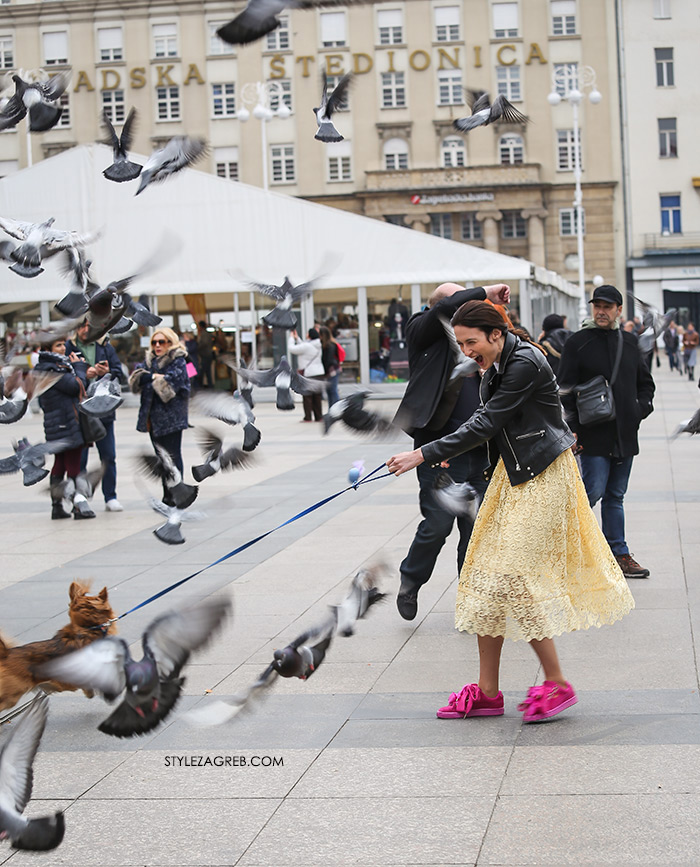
<point x="594" y="399"/>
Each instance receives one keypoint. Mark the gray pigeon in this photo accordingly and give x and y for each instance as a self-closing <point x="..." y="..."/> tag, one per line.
<point x="655" y="324"/>
<point x="691" y="426"/>
<point x="76" y="265"/>
<point x="457" y="498"/>
<point x="19" y="388"/>
<point x="179" y="152"/>
<point x="161" y="466"/>
<point x="464" y="366"/>
<point x="284" y="379"/>
<point x="38" y="98"/>
<point x="230" y="409"/>
<point x="329" y="104"/>
<point x="30" y="459"/>
<point x="103" y="396"/>
<point x="16" y="783"/>
<point x="285" y="296"/>
<point x="216" y="457"/>
<point x="78" y="490"/>
<point x="362" y="595"/>
<point x="121" y="169"/>
<point x="258" y="18"/>
<point x="152" y="685"/>
<point x="351" y="412"/>
<point x="169" y="532"/>
<point x="484" y="112"/>
<point x="40" y="241"/>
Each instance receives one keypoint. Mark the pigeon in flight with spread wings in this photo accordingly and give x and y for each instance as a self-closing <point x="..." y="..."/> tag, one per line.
<point x="170" y="532"/>
<point x="655" y="324"/>
<point x="180" y="152"/>
<point x="230" y="409"/>
<point x="16" y="783"/>
<point x="457" y="498"/>
<point x="19" y="388"/>
<point x="351" y="412"/>
<point x="152" y="685"/>
<point x="286" y="296"/>
<point x="284" y="379"/>
<point x="122" y="169"/>
<point x="485" y="112"/>
<point x="39" y="241"/>
<point x="216" y="457"/>
<point x="330" y="104"/>
<point x="30" y="459"/>
<point x="39" y="99"/>
<point x="161" y="466"/>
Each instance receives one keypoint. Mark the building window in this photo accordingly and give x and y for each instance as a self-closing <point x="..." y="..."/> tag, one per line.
<point x="511" y="150"/>
<point x="333" y="29"/>
<point x="668" y="144"/>
<point x="393" y="90"/>
<point x="394" y="219"/>
<point x="168" y="100"/>
<point x="450" y="90"/>
<point x="471" y="227"/>
<point x="508" y="79"/>
<point x="339" y="161"/>
<point x="278" y="39"/>
<point x="223" y="100"/>
<point x="284" y="92"/>
<point x="446" y="23"/>
<point x="282" y="158"/>
<point x="113" y="104"/>
<point x="7" y="54"/>
<point x="513" y="225"/>
<point x="226" y="163"/>
<point x="505" y="20"/>
<point x="568" y="222"/>
<point x="165" y="40"/>
<point x="217" y="46"/>
<point x="331" y="84"/>
<point x="390" y="25"/>
<point x="662" y="8"/>
<point x="64" y="119"/>
<point x="56" y="48"/>
<point x="670" y="215"/>
<point x="566" y="78"/>
<point x="441" y="225"/>
<point x="110" y="43"/>
<point x="454" y="153"/>
<point x="566" y="158"/>
<point x="563" y="17"/>
<point x="395" y="155"/>
<point x="664" y="67"/>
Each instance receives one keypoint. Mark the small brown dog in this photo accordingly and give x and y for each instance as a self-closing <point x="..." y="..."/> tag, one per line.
<point x="87" y="614"/>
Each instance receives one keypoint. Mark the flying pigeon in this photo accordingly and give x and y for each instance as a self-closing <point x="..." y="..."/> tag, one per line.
<point x="457" y="498"/>
<point x="485" y="112"/>
<point x="151" y="685"/>
<point x="169" y="532"/>
<point x="19" y="388"/>
<point x="121" y="169"/>
<point x="216" y="457"/>
<point x="40" y="241"/>
<point x="103" y="396"/>
<point x="161" y="466"/>
<point x="285" y="296"/>
<point x="16" y="783"/>
<point x="76" y="265"/>
<point x="329" y="104"/>
<point x="245" y="388"/>
<point x="258" y="18"/>
<point x="230" y="409"/>
<point x="78" y="490"/>
<point x="283" y="378"/>
<point x="363" y="594"/>
<point x="38" y="98"/>
<point x="691" y="426"/>
<point x="655" y="324"/>
<point x="464" y="366"/>
<point x="30" y="459"/>
<point x="179" y="152"/>
<point x="350" y="411"/>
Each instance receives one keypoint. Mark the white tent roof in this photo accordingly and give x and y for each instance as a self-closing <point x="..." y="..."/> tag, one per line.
<point x="223" y="227"/>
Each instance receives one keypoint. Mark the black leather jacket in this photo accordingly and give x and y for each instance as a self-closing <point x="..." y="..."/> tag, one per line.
<point x="521" y="415"/>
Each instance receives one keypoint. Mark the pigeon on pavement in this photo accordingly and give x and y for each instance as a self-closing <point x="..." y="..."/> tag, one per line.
<point x="179" y="152"/>
<point x="329" y="104"/>
<point x="216" y="457"/>
<point x="230" y="409"/>
<point x="121" y="169"/>
<point x="484" y="112"/>
<point x="38" y="98"/>
<point x="16" y="783"/>
<point x="152" y="685"/>
<point x="690" y="426"/>
<point x="161" y="466"/>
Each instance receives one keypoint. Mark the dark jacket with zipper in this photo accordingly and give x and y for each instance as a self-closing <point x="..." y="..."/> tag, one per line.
<point x="521" y="415"/>
<point x="591" y="352"/>
<point x="60" y="402"/>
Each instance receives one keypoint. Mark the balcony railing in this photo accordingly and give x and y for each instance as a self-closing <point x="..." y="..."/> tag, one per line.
<point x="471" y="176"/>
<point x="662" y="243"/>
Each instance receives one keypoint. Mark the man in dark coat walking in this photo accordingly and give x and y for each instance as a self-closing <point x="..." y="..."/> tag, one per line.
<point x="431" y="408"/>
<point x="607" y="449"/>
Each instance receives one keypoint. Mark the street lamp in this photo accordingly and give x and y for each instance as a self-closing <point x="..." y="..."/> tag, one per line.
<point x="585" y="80"/>
<point x="260" y="95"/>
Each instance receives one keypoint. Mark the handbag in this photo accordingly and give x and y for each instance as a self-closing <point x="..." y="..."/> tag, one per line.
<point x="594" y="399"/>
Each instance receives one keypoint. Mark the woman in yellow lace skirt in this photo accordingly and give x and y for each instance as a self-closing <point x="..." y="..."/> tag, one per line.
<point x="537" y="564"/>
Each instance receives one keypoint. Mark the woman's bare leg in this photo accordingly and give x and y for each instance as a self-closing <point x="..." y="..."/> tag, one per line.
<point x="547" y="654"/>
<point x="489" y="663"/>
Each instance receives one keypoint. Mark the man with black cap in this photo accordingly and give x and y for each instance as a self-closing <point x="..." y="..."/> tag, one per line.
<point x="608" y="448"/>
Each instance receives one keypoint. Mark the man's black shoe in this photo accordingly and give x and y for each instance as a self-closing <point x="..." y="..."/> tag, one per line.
<point x="407" y="603"/>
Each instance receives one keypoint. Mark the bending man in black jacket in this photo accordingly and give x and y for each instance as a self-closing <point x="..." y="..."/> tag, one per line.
<point x="432" y="408"/>
<point x="607" y="449"/>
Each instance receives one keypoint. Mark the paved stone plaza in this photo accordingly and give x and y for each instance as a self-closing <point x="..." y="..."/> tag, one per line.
<point x="352" y="765"/>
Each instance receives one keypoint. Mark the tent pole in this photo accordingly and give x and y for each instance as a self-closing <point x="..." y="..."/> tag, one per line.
<point x="254" y="336"/>
<point x="237" y="322"/>
<point x="416" y="300"/>
<point x="363" y="328"/>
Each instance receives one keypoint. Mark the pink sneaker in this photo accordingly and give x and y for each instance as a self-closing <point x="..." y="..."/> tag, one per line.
<point x="547" y="700"/>
<point x="471" y="701"/>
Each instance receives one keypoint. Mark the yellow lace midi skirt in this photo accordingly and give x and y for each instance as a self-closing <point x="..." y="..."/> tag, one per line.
<point x="538" y="564"/>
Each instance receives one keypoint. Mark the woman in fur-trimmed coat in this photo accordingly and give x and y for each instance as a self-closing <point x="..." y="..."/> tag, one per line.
<point x="164" y="386"/>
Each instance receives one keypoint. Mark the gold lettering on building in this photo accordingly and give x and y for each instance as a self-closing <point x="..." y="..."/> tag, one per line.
<point x="115" y="76"/>
<point x="535" y="52"/>
<point x="193" y="73"/>
<point x="390" y="55"/>
<point x="361" y="63"/>
<point x="164" y="78"/>
<point x="83" y="81"/>
<point x="477" y="56"/>
<point x="277" y="69"/>
<point x="137" y="77"/>
<point x="444" y="56"/>
<point x="500" y="58"/>
<point x="419" y="60"/>
<point x="304" y="60"/>
<point x="334" y="64"/>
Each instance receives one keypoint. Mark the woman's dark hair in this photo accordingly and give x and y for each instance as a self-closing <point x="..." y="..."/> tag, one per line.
<point x="313" y="334"/>
<point x="487" y="317"/>
<point x="46" y="345"/>
<point x="326" y="336"/>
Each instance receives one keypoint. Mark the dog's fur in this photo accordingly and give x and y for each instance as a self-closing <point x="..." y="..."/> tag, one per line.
<point x="17" y="663"/>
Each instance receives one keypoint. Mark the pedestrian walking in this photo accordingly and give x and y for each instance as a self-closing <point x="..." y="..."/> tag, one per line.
<point x="672" y="344"/>
<point x="691" y="339"/>
<point x="607" y="449"/>
<point x="537" y="564"/>
<point x="330" y="355"/>
<point x="433" y="406"/>
<point x="310" y="363"/>
<point x="205" y="350"/>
